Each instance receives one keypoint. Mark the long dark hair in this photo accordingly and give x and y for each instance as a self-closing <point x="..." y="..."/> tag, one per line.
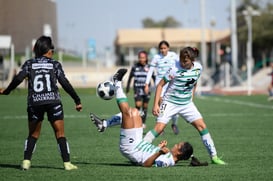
<point x="187" y="151"/>
<point x="42" y="46"/>
<point x="163" y="42"/>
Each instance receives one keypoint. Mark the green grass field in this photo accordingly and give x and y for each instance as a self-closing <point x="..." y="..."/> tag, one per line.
<point x="241" y="127"/>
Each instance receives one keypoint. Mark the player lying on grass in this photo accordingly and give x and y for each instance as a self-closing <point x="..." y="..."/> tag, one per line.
<point x="132" y="146"/>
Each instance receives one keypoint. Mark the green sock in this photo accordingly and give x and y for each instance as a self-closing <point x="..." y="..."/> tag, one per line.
<point x="150" y="136"/>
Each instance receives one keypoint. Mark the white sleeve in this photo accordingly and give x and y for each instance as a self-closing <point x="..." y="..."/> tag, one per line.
<point x="149" y="75"/>
<point x="164" y="161"/>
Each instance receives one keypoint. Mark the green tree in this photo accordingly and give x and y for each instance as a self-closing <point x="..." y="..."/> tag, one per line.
<point x="168" y="22"/>
<point x="262" y="26"/>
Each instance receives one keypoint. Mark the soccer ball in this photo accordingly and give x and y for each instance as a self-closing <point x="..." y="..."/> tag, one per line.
<point x="106" y="90"/>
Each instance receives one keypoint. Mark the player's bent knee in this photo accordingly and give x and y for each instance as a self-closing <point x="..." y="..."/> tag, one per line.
<point x="134" y="112"/>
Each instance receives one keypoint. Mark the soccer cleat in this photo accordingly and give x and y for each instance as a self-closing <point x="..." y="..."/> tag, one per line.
<point x="100" y="123"/>
<point x="119" y="75"/>
<point x="270" y="98"/>
<point x="175" y="129"/>
<point x="69" y="166"/>
<point x="26" y="164"/>
<point x="217" y="161"/>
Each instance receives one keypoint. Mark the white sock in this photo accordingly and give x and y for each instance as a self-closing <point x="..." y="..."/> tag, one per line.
<point x="114" y="120"/>
<point x="150" y="136"/>
<point x="119" y="90"/>
<point x="209" y="144"/>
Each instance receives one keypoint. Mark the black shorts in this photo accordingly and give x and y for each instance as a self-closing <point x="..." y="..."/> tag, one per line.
<point x="144" y="97"/>
<point x="54" y="112"/>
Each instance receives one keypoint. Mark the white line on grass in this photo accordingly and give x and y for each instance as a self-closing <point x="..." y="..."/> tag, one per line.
<point x="250" y="104"/>
<point x="66" y="116"/>
<point x="223" y="100"/>
<point x="106" y="116"/>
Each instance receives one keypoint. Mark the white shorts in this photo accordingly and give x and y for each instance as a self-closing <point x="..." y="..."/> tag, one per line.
<point x="129" y="139"/>
<point x="189" y="112"/>
<point x="137" y="150"/>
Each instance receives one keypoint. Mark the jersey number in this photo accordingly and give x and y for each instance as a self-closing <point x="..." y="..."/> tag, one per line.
<point x="40" y="81"/>
<point x="163" y="106"/>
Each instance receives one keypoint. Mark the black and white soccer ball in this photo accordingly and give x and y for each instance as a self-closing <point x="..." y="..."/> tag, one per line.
<point x="106" y="90"/>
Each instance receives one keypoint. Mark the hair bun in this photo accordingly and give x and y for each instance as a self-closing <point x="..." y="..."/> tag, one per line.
<point x="196" y="51"/>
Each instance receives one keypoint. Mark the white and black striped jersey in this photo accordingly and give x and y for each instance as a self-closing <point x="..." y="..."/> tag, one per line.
<point x="139" y="73"/>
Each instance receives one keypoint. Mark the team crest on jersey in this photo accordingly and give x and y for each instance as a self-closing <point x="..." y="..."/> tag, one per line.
<point x="182" y="73"/>
<point x="146" y="69"/>
<point x="197" y="71"/>
<point x="131" y="140"/>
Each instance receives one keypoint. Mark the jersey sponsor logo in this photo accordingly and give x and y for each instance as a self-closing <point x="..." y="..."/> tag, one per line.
<point x="190" y="82"/>
<point x="42" y="66"/>
<point x="43" y="97"/>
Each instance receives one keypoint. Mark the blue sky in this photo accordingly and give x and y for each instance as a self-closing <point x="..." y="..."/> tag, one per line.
<point x="80" y="20"/>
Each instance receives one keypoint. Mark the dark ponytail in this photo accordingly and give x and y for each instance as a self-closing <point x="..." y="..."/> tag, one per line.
<point x="196" y="52"/>
<point x="42" y="46"/>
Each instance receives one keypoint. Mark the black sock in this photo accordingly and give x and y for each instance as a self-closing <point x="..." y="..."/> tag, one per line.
<point x="29" y="147"/>
<point x="64" y="149"/>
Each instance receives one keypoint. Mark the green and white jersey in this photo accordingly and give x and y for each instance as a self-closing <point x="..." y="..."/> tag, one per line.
<point x="161" y="64"/>
<point x="148" y="149"/>
<point x="181" y="83"/>
<point x="133" y="147"/>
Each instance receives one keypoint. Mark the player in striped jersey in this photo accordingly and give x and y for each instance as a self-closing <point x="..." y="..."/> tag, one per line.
<point x="161" y="64"/>
<point x="132" y="145"/>
<point x="182" y="79"/>
<point x="139" y="73"/>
